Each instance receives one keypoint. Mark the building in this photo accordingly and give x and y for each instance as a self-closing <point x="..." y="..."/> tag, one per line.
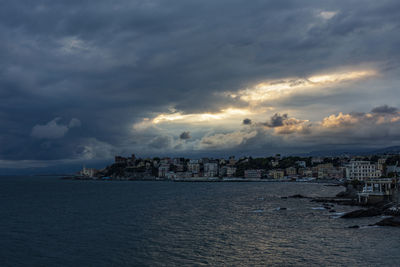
<point x="325" y="166"/>
<point x="179" y="167"/>
<point x="177" y="161"/>
<point x="232" y="160"/>
<point x="163" y="170"/>
<point x="323" y="171"/>
<point x="335" y="173"/>
<point x="316" y="160"/>
<point x="305" y="172"/>
<point x="291" y="171"/>
<point x="393" y="169"/>
<point x="141" y="164"/>
<point x="210" y="169"/>
<point x="301" y="164"/>
<point x="228" y="171"/>
<point x="277" y="174"/>
<point x="170" y="175"/>
<point x="165" y="161"/>
<point x="253" y="174"/>
<point x="362" y="170"/>
<point x="381" y="164"/>
<point x="193" y="166"/>
<point x="376" y="190"/>
<point x="330" y="173"/>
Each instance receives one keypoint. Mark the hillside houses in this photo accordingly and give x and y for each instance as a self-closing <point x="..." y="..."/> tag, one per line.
<point x="276" y="167"/>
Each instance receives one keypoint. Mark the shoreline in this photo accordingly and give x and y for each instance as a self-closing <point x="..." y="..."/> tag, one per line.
<point x="205" y="180"/>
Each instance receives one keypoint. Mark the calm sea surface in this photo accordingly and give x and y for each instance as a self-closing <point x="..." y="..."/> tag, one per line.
<point x="45" y="221"/>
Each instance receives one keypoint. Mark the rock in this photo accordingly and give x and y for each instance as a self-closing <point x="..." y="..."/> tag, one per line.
<point x="393" y="221"/>
<point x="393" y="211"/>
<point x="363" y="213"/>
<point x="350" y="192"/>
<point x="340" y="201"/>
<point x="332" y="211"/>
<point x="354" y="226"/>
<point x="341" y="194"/>
<point x="284" y="197"/>
<point x="298" y="196"/>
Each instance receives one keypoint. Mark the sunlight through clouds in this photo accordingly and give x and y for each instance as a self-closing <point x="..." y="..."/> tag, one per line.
<point x="275" y="89"/>
<point x="178" y="117"/>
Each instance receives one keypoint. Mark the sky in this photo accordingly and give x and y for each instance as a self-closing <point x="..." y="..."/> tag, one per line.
<point x="82" y="81"/>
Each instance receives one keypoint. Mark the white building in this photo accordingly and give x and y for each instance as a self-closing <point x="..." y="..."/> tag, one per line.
<point x="210" y="169"/>
<point x="301" y="164"/>
<point x="362" y="170"/>
<point x="163" y="170"/>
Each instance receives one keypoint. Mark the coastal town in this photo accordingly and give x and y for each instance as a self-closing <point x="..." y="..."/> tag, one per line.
<point x="375" y="176"/>
<point x="276" y="167"/>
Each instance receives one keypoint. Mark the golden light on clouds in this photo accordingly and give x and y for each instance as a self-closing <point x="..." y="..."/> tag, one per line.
<point x="178" y="117"/>
<point x="257" y="96"/>
<point x="275" y="89"/>
<point x="340" y="120"/>
<point x="341" y="77"/>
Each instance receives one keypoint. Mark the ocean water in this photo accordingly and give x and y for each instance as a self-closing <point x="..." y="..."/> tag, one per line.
<point x="46" y="221"/>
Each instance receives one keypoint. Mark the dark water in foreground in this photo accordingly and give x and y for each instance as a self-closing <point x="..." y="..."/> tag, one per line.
<point x="45" y="221"/>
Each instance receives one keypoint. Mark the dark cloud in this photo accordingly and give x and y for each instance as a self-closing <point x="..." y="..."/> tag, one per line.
<point x="276" y="120"/>
<point x="111" y="64"/>
<point x="385" y="109"/>
<point x="185" y="136"/>
<point x="247" y="122"/>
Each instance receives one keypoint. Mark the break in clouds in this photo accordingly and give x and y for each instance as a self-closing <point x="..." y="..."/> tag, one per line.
<point x="88" y="80"/>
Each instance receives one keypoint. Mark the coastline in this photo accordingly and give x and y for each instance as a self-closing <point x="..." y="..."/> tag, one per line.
<point x="330" y="182"/>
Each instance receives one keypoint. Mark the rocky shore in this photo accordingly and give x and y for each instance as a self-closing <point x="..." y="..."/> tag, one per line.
<point x="349" y="197"/>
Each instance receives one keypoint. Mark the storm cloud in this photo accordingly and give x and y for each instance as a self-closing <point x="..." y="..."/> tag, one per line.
<point x="385" y="109"/>
<point x="119" y="65"/>
<point x="276" y="120"/>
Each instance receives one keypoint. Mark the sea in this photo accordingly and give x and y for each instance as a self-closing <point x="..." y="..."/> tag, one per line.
<point x="47" y="221"/>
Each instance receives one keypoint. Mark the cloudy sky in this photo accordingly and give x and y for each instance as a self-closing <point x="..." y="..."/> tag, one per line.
<point x="85" y="80"/>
